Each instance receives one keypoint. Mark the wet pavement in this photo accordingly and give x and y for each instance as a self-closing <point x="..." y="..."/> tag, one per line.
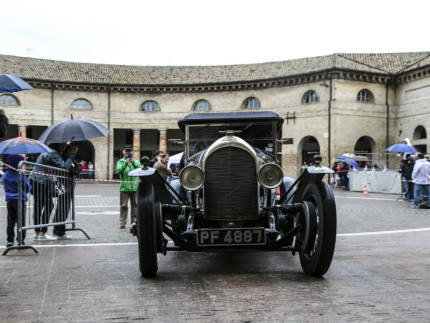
<point x="380" y="272"/>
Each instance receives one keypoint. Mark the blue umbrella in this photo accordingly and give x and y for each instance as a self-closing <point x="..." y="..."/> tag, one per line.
<point x="402" y="148"/>
<point x="352" y="162"/>
<point x="22" y="145"/>
<point x="12" y="83"/>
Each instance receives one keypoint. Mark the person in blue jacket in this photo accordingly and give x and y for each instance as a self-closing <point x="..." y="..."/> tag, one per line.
<point x="10" y="183"/>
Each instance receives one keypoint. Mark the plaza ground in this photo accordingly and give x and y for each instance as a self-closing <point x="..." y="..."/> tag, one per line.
<point x="379" y="272"/>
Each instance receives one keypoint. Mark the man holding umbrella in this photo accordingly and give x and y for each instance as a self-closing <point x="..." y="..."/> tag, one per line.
<point x="128" y="185"/>
<point x="344" y="175"/>
<point x="4" y="122"/>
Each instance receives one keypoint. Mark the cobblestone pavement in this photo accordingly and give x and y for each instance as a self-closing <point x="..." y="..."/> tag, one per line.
<point x="380" y="272"/>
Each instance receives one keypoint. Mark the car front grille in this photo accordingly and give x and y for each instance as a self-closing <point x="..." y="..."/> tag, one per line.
<point x="230" y="189"/>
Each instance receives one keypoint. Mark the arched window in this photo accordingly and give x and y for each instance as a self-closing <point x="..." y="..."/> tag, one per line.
<point x="365" y="96"/>
<point x="150" y="106"/>
<point x="310" y="97"/>
<point x="251" y="103"/>
<point x="81" y="104"/>
<point x="202" y="105"/>
<point x="420" y="133"/>
<point x="420" y="139"/>
<point x="9" y="100"/>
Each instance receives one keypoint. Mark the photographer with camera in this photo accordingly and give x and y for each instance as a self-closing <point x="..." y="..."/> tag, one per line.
<point x="128" y="185"/>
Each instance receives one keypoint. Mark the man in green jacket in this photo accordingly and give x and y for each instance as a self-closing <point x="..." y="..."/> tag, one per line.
<point x="128" y="187"/>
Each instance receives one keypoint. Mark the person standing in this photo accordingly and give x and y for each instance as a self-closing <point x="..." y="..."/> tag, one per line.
<point x="161" y="166"/>
<point x="84" y="169"/>
<point x="406" y="170"/>
<point x="304" y="166"/>
<point x="344" y="174"/>
<point x="42" y="186"/>
<point x="90" y="170"/>
<point x="4" y="123"/>
<point x="157" y="157"/>
<point x="11" y="184"/>
<point x="64" y="200"/>
<point x="421" y="180"/>
<point x="128" y="187"/>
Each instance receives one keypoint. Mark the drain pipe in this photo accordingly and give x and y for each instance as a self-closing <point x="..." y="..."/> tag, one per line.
<point x="52" y="103"/>
<point x="108" y="136"/>
<point x="387" y="140"/>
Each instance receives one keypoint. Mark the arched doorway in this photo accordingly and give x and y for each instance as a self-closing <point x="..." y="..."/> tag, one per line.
<point x="365" y="151"/>
<point x="309" y="147"/>
<point x="86" y="152"/>
<point x="420" y="139"/>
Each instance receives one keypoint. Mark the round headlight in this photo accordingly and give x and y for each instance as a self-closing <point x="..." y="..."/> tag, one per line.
<point x="192" y="177"/>
<point x="270" y="175"/>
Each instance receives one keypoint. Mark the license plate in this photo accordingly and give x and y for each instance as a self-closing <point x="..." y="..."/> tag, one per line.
<point x="231" y="237"/>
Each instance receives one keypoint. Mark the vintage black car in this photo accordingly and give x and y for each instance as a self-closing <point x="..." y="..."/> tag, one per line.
<point x="225" y="196"/>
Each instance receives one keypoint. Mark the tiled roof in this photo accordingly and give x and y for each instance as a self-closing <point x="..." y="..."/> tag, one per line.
<point x="388" y="63"/>
<point x="89" y="73"/>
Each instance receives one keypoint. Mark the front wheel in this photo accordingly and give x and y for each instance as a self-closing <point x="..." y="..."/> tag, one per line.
<point x="316" y="259"/>
<point x="146" y="230"/>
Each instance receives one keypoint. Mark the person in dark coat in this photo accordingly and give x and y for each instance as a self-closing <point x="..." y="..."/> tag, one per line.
<point x="157" y="157"/>
<point x="42" y="186"/>
<point x="344" y="174"/>
<point x="64" y="200"/>
<point x="4" y="123"/>
<point x="406" y="171"/>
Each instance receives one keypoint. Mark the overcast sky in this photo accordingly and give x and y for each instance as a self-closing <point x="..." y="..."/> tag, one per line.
<point x="206" y="32"/>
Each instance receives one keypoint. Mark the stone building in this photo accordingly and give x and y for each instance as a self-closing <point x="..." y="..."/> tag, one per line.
<point x="335" y="104"/>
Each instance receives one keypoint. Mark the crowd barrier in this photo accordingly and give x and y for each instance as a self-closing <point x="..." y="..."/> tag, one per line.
<point x="50" y="203"/>
<point x="376" y="182"/>
<point x="88" y="174"/>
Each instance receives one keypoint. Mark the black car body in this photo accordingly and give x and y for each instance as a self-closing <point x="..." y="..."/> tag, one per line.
<point x="224" y="198"/>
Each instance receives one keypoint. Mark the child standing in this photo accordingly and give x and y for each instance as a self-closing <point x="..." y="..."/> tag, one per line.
<point x="10" y="183"/>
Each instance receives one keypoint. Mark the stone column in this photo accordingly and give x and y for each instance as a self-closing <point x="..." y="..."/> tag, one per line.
<point x="22" y="130"/>
<point x="136" y="144"/>
<point x="163" y="139"/>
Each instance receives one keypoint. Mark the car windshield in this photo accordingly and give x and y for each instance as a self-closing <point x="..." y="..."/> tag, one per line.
<point x="259" y="135"/>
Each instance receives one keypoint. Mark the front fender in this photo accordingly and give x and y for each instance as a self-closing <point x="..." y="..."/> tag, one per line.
<point x="162" y="193"/>
<point x="148" y="175"/>
<point x="312" y="174"/>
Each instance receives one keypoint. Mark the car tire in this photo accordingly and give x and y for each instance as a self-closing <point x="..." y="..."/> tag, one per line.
<point x="146" y="230"/>
<point x="316" y="260"/>
<point x="308" y="219"/>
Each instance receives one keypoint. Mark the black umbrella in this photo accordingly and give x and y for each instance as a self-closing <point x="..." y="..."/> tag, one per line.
<point x="73" y="130"/>
<point x="12" y="83"/>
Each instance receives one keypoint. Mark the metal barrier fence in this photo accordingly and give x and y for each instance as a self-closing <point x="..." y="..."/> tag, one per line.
<point x="87" y="174"/>
<point x="51" y="202"/>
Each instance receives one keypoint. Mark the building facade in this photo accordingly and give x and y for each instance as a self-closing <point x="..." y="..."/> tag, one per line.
<point x="335" y="104"/>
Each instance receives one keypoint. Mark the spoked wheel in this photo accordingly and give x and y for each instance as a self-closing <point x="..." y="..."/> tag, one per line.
<point x="316" y="258"/>
<point x="146" y="230"/>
